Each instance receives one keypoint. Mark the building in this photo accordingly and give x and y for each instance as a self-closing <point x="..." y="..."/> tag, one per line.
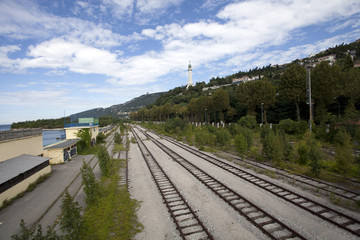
<point x="17" y="142"/>
<point x="72" y="130"/>
<point x="61" y="152"/>
<point x="190" y="76"/>
<point x="330" y="58"/>
<point x="246" y="79"/>
<point x="16" y="174"/>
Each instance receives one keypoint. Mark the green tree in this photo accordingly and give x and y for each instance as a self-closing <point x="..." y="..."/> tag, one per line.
<point x="29" y="234"/>
<point x="220" y="102"/>
<point x="292" y="86"/>
<point x="241" y="144"/>
<point x="325" y="84"/>
<point x="91" y="186"/>
<point x="352" y="87"/>
<point x="117" y="138"/>
<point x="256" y="93"/>
<point x="71" y="220"/>
<point x="85" y="142"/>
<point x="104" y="161"/>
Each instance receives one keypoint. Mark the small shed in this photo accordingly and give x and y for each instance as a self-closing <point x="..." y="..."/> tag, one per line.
<point x="17" y="173"/>
<point x="61" y="152"/>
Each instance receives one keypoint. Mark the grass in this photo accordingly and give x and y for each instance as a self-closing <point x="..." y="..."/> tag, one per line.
<point x="113" y="216"/>
<point x="30" y="188"/>
<point x="118" y="147"/>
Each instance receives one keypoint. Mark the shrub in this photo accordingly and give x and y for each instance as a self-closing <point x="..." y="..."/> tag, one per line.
<point x="222" y="137"/>
<point x="104" y="161"/>
<point x="100" y="138"/>
<point x="248" y="121"/>
<point x="303" y="150"/>
<point x="29" y="234"/>
<point x="272" y="147"/>
<point x="71" y="221"/>
<point x="241" y="144"/>
<point x="91" y="186"/>
<point x="117" y="138"/>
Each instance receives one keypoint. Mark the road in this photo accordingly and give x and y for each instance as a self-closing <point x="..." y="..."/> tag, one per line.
<point x="43" y="203"/>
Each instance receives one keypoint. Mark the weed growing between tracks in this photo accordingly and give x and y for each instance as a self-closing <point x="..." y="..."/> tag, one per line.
<point x="113" y="215"/>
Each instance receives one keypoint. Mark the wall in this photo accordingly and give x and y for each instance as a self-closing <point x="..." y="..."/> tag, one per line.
<point x="56" y="155"/>
<point x="22" y="186"/>
<point x="11" y="148"/>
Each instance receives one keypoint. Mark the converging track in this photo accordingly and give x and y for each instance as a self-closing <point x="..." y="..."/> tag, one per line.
<point x="185" y="219"/>
<point x="269" y="225"/>
<point x="328" y="214"/>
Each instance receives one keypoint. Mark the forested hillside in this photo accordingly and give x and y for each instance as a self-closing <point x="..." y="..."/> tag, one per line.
<point x="280" y="93"/>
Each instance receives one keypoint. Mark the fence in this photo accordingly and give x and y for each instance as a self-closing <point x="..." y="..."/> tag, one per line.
<point x="12" y="134"/>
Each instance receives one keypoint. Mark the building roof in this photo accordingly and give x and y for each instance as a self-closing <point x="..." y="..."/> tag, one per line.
<point x="18" y="165"/>
<point x="63" y="144"/>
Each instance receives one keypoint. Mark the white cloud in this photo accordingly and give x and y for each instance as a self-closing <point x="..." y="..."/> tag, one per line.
<point x="24" y="19"/>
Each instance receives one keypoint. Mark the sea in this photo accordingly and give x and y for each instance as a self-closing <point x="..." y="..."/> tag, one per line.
<point x="49" y="136"/>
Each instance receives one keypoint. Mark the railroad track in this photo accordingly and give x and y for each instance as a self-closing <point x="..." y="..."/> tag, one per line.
<point x="185" y="219"/>
<point x="322" y="185"/>
<point x="330" y="215"/>
<point x="124" y="171"/>
<point x="264" y="221"/>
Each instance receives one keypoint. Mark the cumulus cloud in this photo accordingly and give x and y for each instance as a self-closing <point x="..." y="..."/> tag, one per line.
<point x="244" y="28"/>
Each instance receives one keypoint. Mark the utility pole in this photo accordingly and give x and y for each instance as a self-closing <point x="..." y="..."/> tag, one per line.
<point x="262" y="113"/>
<point x="308" y="93"/>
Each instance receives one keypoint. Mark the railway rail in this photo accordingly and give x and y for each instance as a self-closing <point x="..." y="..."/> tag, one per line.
<point x="328" y="214"/>
<point x="269" y="225"/>
<point x="124" y="171"/>
<point x="322" y="185"/>
<point x="185" y="219"/>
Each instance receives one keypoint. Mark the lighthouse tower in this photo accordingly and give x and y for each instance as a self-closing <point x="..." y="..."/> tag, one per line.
<point x="190" y="76"/>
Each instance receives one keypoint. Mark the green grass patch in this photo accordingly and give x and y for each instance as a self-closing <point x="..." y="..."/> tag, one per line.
<point x="113" y="216"/>
<point x="118" y="147"/>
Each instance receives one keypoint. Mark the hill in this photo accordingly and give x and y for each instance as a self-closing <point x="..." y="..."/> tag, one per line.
<point x="120" y="110"/>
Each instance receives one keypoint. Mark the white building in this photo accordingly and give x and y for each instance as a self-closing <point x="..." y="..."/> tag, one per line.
<point x="190" y="76"/>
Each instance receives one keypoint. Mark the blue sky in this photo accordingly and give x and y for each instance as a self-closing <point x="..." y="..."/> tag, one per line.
<point x="72" y="56"/>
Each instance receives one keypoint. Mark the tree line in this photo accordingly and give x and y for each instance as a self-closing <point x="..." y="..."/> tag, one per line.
<point x="335" y="91"/>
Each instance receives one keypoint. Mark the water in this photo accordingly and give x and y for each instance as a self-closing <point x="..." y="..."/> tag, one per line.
<point x="52" y="136"/>
<point x="49" y="136"/>
<point x="5" y="127"/>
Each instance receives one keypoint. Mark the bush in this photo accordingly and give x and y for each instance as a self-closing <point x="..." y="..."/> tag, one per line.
<point x="303" y="150"/>
<point x="117" y="138"/>
<point x="29" y="234"/>
<point x="241" y="144"/>
<point x="272" y="147"/>
<point x="100" y="138"/>
<point x="71" y="221"/>
<point x="91" y="186"/>
<point x="248" y="121"/>
<point x="292" y="127"/>
<point x="104" y="161"/>
<point x="222" y="137"/>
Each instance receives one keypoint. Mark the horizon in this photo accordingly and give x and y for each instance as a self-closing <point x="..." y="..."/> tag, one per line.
<point x="75" y="56"/>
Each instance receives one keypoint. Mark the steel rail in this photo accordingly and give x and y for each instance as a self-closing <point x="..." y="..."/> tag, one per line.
<point x="326" y="213"/>
<point x="269" y="225"/>
<point x="187" y="222"/>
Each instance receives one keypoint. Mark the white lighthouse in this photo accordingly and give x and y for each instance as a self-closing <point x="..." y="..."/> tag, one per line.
<point x="190" y="76"/>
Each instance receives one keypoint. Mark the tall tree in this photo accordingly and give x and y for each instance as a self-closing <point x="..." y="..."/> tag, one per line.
<point x="292" y="86"/>
<point x="221" y="102"/>
<point x="325" y="81"/>
<point x="256" y="93"/>
<point x="71" y="220"/>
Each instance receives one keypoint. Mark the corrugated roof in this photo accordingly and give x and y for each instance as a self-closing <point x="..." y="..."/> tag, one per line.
<point x="17" y="165"/>
<point x="63" y="144"/>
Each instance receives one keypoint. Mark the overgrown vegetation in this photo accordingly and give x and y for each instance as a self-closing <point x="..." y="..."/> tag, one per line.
<point x="288" y="144"/>
<point x="110" y="212"/>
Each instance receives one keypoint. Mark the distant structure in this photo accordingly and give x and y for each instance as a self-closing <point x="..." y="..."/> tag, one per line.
<point x="190" y="76"/>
